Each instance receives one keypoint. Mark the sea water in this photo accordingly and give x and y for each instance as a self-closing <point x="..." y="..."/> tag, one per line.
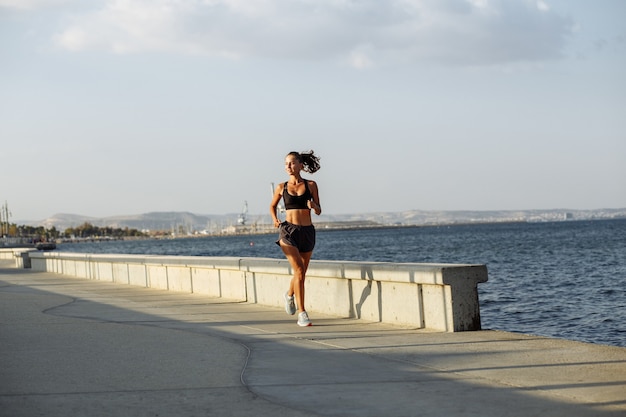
<point x="561" y="279"/>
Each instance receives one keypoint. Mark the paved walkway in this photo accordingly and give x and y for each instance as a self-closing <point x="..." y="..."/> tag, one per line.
<point x="73" y="347"/>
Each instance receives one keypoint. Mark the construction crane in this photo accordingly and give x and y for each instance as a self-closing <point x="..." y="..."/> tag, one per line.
<point x="5" y="215"/>
<point x="243" y="216"/>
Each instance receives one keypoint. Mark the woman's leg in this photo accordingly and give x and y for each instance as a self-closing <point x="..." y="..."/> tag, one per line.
<point x="306" y="257"/>
<point x="299" y="263"/>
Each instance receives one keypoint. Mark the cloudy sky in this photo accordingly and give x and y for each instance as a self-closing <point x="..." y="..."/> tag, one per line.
<point x="112" y="107"/>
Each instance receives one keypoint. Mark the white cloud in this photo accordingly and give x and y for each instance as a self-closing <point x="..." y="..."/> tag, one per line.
<point x="479" y="3"/>
<point x="74" y="39"/>
<point x="363" y="33"/>
<point x="543" y="6"/>
<point x="359" y="58"/>
<point x="31" y="4"/>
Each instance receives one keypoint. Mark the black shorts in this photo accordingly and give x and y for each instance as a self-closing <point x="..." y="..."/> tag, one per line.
<point x="302" y="237"/>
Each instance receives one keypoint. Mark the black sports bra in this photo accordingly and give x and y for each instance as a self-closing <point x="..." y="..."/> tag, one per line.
<point x="294" y="202"/>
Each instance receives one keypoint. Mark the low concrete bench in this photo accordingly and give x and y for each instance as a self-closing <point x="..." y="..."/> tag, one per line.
<point x="435" y="296"/>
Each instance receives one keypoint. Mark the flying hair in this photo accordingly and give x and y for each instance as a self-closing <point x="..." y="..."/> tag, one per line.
<point x="310" y="161"/>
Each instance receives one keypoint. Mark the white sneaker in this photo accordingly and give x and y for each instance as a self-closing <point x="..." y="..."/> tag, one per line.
<point x="303" y="320"/>
<point x="290" y="305"/>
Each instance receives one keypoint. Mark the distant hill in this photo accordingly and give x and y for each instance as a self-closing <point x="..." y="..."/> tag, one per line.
<point x="425" y="217"/>
<point x="190" y="222"/>
<point x="147" y="221"/>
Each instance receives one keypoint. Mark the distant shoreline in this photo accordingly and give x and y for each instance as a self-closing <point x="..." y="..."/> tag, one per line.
<point x="187" y="222"/>
<point x="321" y="227"/>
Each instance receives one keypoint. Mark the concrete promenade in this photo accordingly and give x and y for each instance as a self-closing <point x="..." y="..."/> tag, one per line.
<point x="75" y="347"/>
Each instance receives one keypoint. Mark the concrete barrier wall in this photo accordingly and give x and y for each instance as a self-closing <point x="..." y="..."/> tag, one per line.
<point x="19" y="255"/>
<point x="11" y="253"/>
<point x="435" y="296"/>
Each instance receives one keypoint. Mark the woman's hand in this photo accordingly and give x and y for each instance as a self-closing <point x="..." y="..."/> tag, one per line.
<point x="313" y="206"/>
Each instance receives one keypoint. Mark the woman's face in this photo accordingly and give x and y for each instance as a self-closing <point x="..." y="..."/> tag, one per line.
<point x="292" y="165"/>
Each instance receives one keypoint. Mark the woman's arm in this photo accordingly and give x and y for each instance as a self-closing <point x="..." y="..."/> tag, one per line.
<point x="278" y="193"/>
<point x="314" y="203"/>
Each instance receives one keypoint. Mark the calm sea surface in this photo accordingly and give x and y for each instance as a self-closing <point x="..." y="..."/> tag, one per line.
<point x="562" y="279"/>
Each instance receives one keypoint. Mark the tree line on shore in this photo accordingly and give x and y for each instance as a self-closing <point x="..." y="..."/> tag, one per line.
<point x="85" y="230"/>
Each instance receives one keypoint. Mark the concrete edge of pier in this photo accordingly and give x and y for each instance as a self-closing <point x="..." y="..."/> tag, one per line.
<point x="72" y="346"/>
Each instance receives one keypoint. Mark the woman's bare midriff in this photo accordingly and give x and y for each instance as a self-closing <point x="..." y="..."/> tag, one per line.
<point x="301" y="217"/>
